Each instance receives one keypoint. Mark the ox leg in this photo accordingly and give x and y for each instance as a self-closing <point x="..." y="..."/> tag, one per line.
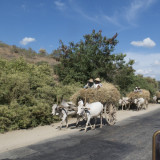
<point x="88" y="121"/>
<point x="125" y="106"/>
<point x="78" y="118"/>
<point x="66" y="122"/>
<point x="95" y="121"/>
<point x="101" y="119"/>
<point x="63" y="119"/>
<point x="146" y="104"/>
<point x="129" y="106"/>
<point x="60" y="127"/>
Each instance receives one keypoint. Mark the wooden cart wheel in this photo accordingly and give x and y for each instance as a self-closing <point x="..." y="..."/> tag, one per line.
<point x="110" y="114"/>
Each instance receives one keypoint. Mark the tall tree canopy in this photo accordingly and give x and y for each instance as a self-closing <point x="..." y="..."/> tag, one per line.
<point x="90" y="58"/>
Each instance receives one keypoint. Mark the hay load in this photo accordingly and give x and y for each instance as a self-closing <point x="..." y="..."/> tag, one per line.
<point x="108" y="93"/>
<point x="158" y="94"/>
<point x="144" y="94"/>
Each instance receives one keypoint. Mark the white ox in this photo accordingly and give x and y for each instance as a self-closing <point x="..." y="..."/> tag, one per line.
<point x="92" y="110"/>
<point x="63" y="111"/>
<point x="140" y="103"/>
<point x="155" y="99"/>
<point x="124" y="102"/>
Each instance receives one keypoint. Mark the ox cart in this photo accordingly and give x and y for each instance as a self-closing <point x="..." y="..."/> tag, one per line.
<point x="145" y="94"/>
<point x="158" y="97"/>
<point x="108" y="95"/>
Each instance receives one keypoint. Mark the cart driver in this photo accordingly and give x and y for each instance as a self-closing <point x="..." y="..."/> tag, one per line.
<point x="97" y="83"/>
<point x="136" y="89"/>
<point x="90" y="84"/>
<point x="139" y="89"/>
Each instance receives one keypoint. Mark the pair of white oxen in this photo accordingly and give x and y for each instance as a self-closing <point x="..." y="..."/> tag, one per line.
<point x="87" y="112"/>
<point x="140" y="103"/>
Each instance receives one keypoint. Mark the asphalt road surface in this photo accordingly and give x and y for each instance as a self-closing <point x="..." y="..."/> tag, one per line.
<point x="127" y="140"/>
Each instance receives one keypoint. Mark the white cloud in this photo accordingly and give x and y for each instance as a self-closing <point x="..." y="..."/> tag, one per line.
<point x="60" y="5"/>
<point x="27" y="40"/>
<point x="157" y="62"/>
<point x="117" y="17"/>
<point x="147" y="42"/>
<point x="97" y="17"/>
<point x="146" y="64"/>
<point x="136" y="7"/>
<point x="153" y="76"/>
<point x="144" y="72"/>
<point x="112" y="20"/>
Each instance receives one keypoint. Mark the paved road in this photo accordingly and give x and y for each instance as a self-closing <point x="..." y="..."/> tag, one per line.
<point x="127" y="140"/>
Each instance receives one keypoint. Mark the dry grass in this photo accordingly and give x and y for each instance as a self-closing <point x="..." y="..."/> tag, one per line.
<point x="144" y="94"/>
<point x="6" y="52"/>
<point x="108" y="93"/>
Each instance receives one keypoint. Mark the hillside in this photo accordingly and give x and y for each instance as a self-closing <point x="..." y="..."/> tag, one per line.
<point x="13" y="52"/>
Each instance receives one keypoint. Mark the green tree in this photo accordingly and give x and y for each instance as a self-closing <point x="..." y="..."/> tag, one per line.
<point x="124" y="76"/>
<point x="89" y="58"/>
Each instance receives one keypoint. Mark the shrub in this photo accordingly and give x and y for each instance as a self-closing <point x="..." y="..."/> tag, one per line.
<point x="27" y="92"/>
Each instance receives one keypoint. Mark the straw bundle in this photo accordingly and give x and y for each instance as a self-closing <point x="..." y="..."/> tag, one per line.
<point x="158" y="94"/>
<point x="108" y="93"/>
<point x="144" y="94"/>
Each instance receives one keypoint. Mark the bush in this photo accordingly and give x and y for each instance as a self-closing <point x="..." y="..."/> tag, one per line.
<point x="27" y="92"/>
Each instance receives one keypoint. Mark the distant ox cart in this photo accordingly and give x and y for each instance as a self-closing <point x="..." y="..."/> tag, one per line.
<point x="140" y="99"/>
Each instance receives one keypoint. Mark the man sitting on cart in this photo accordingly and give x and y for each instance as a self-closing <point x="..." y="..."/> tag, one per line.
<point x="97" y="83"/>
<point x="90" y="84"/>
<point x="137" y="89"/>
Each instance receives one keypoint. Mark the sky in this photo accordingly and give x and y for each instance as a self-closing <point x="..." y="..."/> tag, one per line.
<point x="42" y="23"/>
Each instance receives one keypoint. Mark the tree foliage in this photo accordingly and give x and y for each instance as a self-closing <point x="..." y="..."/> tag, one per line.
<point x="93" y="57"/>
<point x="90" y="57"/>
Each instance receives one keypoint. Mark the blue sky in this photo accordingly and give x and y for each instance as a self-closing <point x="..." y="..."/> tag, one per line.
<point x="42" y="23"/>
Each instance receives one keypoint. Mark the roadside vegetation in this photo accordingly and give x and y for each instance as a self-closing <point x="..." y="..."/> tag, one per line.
<point x="28" y="90"/>
<point x="94" y="57"/>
